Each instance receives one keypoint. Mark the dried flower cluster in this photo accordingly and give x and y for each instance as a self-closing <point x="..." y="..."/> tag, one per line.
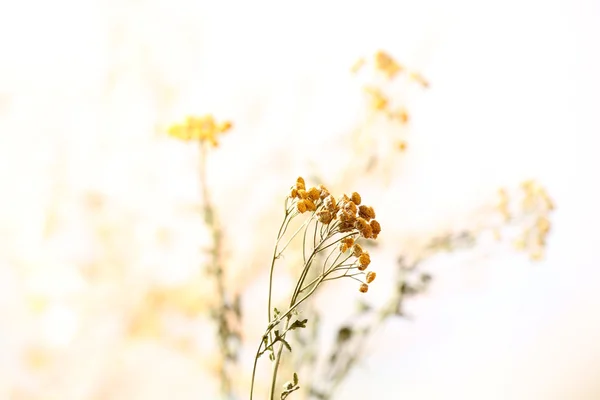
<point x="536" y="206"/>
<point x="203" y="129"/>
<point x="331" y="233"/>
<point x="379" y="101"/>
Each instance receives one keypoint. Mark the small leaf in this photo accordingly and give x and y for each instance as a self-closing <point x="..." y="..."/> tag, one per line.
<point x="295" y="379"/>
<point x="286" y="344"/>
<point x="298" y="324"/>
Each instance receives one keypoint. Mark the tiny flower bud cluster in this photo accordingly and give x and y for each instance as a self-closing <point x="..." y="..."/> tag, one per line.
<point x="347" y="215"/>
<point x="203" y="129"/>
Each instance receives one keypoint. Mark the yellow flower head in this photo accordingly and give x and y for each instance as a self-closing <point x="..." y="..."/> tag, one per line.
<point x="203" y="129"/>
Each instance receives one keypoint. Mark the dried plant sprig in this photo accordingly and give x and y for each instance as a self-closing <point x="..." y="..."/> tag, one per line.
<point x="226" y="310"/>
<point x="332" y="228"/>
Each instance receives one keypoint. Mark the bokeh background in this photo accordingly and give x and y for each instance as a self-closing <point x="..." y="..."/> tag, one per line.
<point x="99" y="207"/>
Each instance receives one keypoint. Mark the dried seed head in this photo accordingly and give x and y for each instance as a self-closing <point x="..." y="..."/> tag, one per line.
<point x="357" y="250"/>
<point x="324" y="191"/>
<point x="330" y="204"/>
<point x="314" y="194"/>
<point x="310" y="206"/>
<point x="364" y="260"/>
<point x="371" y="276"/>
<point x="343" y="247"/>
<point x="348" y="241"/>
<point x="346" y="216"/>
<point x="364" y="288"/>
<point x="361" y="224"/>
<point x="351" y="207"/>
<point x="300" y="183"/>
<point x="293" y="193"/>
<point x="302" y="194"/>
<point x="366" y="212"/>
<point x="345" y="199"/>
<point x="346" y="226"/>
<point x="301" y="206"/>
<point x="376" y="228"/>
<point x="367" y="232"/>
<point x="355" y="198"/>
<point x="325" y="217"/>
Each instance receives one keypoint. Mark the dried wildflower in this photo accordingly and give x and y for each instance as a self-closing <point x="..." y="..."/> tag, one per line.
<point x="301" y="206"/>
<point x="366" y="212"/>
<point x="351" y="207"/>
<point x="314" y="194"/>
<point x="364" y="260"/>
<point x="361" y="224"/>
<point x="330" y="204"/>
<point x="355" y="198"/>
<point x="370" y="276"/>
<point x="367" y="232"/>
<point x="346" y="226"/>
<point x="300" y="184"/>
<point x="346" y="216"/>
<point x="302" y="194"/>
<point x="293" y="193"/>
<point x="357" y="250"/>
<point x="310" y="206"/>
<point x="348" y="241"/>
<point x="386" y="64"/>
<point x="364" y="288"/>
<point x="325" y="217"/>
<point x="345" y="199"/>
<point x="376" y="228"/>
<point x="324" y="192"/>
<point x="203" y="129"/>
<point x="379" y="101"/>
<point x="343" y="247"/>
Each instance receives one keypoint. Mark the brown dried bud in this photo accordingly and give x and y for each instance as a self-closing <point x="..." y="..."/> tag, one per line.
<point x="324" y="191"/>
<point x="357" y="250"/>
<point x="376" y="228"/>
<point x="314" y="194"/>
<point x="302" y="194"/>
<point x="330" y="204"/>
<point x="364" y="260"/>
<point x="343" y="247"/>
<point x="293" y="193"/>
<point x="346" y="216"/>
<point x="348" y="241"/>
<point x="366" y="212"/>
<point x="351" y="207"/>
<point x="325" y="217"/>
<point x="361" y="224"/>
<point x="310" y="206"/>
<point x="355" y="198"/>
<point x="301" y="206"/>
<point x="346" y="226"/>
<point x="371" y="276"/>
<point x="367" y="232"/>
<point x="300" y="183"/>
<point x="364" y="288"/>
